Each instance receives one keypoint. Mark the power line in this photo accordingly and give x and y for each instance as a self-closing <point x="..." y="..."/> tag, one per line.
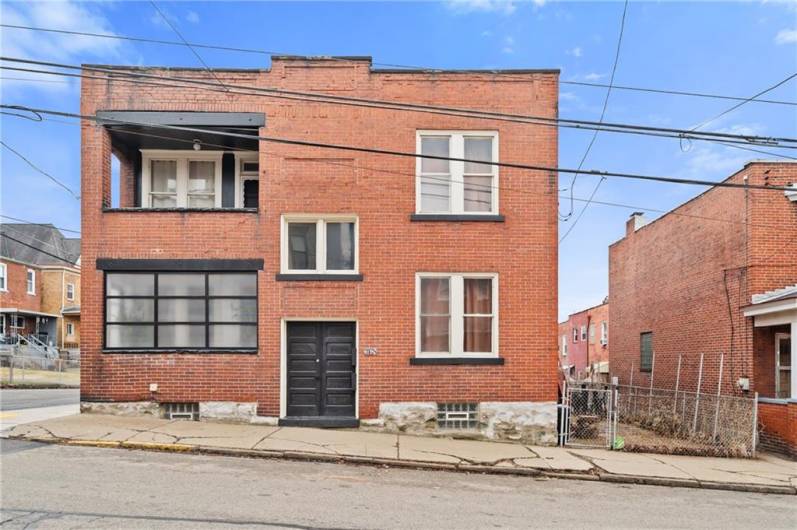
<point x="180" y="35"/>
<point x="370" y="103"/>
<point x="37" y="249"/>
<point x="40" y="224"/>
<point x="442" y="179"/>
<point x="390" y="152"/>
<point x="603" y="113"/>
<point x="407" y="67"/>
<point x="37" y="168"/>
<point x="748" y="100"/>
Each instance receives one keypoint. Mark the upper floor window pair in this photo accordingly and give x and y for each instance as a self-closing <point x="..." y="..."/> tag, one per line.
<point x="445" y="184"/>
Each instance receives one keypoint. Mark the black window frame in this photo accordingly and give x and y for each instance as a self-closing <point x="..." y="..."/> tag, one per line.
<point x="155" y="297"/>
<point x="645" y="364"/>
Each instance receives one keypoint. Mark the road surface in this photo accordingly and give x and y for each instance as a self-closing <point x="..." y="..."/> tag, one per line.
<point x="37" y="398"/>
<point x="52" y="486"/>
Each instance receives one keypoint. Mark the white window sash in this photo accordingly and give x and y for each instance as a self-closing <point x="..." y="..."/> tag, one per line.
<point x="30" y="277"/>
<point x="320" y="242"/>
<point x="182" y="157"/>
<point x="3" y="277"/>
<point x="456" y="338"/>
<point x="70" y="291"/>
<point x="456" y="173"/>
<point x="241" y="175"/>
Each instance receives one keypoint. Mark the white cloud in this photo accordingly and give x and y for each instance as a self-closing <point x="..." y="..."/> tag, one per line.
<point x="568" y="96"/>
<point x="192" y="17"/>
<point x="575" y="52"/>
<point x="487" y="33"/>
<point x="67" y="15"/>
<point x="786" y="36"/>
<point x="509" y="43"/>
<point x="592" y="76"/>
<point x="506" y="7"/>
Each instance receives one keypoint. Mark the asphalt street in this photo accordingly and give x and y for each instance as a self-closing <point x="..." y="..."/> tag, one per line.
<point x="53" y="486"/>
<point x="37" y="398"/>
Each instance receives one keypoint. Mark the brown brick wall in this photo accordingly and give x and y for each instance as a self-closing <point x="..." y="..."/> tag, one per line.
<point x="17" y="284"/>
<point x="777" y="424"/>
<point x="523" y="250"/>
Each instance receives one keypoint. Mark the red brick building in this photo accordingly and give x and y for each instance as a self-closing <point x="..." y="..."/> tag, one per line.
<point x="584" y="343"/>
<point x="313" y="286"/>
<point x="715" y="276"/>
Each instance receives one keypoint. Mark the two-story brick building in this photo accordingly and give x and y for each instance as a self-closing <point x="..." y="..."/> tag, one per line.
<point x="39" y="285"/>
<point x="584" y="343"/>
<point x="304" y="285"/>
<point x="716" y="276"/>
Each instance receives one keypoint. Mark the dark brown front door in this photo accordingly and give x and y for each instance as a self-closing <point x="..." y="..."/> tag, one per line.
<point x="321" y="361"/>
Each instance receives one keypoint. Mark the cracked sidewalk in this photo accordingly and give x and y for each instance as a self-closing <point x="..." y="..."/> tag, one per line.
<point x="766" y="474"/>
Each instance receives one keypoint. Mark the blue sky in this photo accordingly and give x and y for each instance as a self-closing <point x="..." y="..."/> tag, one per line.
<point x="733" y="48"/>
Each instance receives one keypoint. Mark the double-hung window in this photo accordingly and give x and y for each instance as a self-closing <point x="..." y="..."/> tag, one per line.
<point x="172" y="311"/>
<point x="31" y="281"/>
<point x="3" y="277"/>
<point x="575" y="334"/>
<point x="604" y="332"/>
<point x="457" y="315"/>
<point x="319" y="244"/>
<point x="646" y="352"/>
<point x="564" y="345"/>
<point x="583" y="333"/>
<point x="70" y="291"/>
<point x="453" y="186"/>
<point x="181" y="179"/>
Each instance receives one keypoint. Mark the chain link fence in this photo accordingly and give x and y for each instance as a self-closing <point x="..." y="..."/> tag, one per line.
<point x="21" y="370"/>
<point x="687" y="423"/>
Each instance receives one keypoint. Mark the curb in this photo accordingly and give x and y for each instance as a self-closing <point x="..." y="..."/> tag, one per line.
<point x="591" y="475"/>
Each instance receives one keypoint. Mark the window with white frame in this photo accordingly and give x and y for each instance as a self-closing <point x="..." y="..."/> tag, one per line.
<point x="457" y="315"/>
<point x="604" y="332"/>
<point x="31" y="281"/>
<point x="181" y="179"/>
<point x="70" y="329"/>
<point x="575" y="334"/>
<point x="247" y="169"/>
<point x="456" y="187"/>
<point x="319" y="244"/>
<point x="3" y="277"/>
<point x="70" y="291"/>
<point x="592" y="332"/>
<point x="583" y="332"/>
<point x="564" y="345"/>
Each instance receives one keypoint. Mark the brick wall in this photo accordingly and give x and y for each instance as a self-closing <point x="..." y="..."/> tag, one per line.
<point x="778" y="428"/>
<point x="17" y="285"/>
<point x="522" y="250"/>
<point x="584" y="353"/>
<point x="686" y="278"/>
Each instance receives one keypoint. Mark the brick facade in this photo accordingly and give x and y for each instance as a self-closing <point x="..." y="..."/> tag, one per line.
<point x="687" y="276"/>
<point x="392" y="249"/>
<point x="583" y="354"/>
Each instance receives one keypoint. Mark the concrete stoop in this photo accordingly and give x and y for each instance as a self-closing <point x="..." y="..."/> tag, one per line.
<point x="768" y="475"/>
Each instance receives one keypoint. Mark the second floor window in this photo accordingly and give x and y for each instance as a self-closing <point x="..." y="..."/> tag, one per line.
<point x="604" y="332"/>
<point x="3" y="277"/>
<point x="583" y="332"/>
<point x="31" y="280"/>
<point x="318" y="245"/>
<point x="575" y="334"/>
<point x="181" y="179"/>
<point x="455" y="187"/>
<point x="646" y="352"/>
<point x="70" y="291"/>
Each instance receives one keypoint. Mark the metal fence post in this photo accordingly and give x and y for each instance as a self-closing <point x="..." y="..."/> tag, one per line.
<point x="719" y="390"/>
<point x="755" y="424"/>
<point x="697" y="394"/>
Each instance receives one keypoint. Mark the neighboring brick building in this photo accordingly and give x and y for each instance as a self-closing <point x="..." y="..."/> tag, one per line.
<point x="346" y="292"/>
<point x="715" y="275"/>
<point x="39" y="293"/>
<point x="584" y="343"/>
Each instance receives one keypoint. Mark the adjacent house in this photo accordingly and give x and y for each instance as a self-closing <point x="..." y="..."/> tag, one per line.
<point x="716" y="276"/>
<point x="584" y="343"/>
<point x="39" y="286"/>
<point x="308" y="285"/>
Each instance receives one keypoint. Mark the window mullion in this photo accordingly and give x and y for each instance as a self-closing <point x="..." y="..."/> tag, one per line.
<point x="457" y="168"/>
<point x="321" y="246"/>
<point x="182" y="182"/>
<point x="456" y="310"/>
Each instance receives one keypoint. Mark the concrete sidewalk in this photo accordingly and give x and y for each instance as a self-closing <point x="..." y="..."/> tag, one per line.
<point x="767" y="474"/>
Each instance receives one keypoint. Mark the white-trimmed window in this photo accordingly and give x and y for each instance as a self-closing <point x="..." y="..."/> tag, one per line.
<point x="181" y="179"/>
<point x="457" y="315"/>
<point x="247" y="176"/>
<point x="3" y="277"/>
<point x="604" y="332"/>
<point x="583" y="332"/>
<point x="564" y="345"/>
<point x="70" y="291"/>
<point x="575" y="334"/>
<point x="456" y="187"/>
<point x="325" y="244"/>
<point x="70" y="329"/>
<point x="31" y="281"/>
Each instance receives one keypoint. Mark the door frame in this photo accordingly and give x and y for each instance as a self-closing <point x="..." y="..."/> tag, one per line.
<point x="284" y="358"/>
<point x="778" y="337"/>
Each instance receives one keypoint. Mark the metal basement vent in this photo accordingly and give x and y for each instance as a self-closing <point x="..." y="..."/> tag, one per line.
<point x="181" y="411"/>
<point x="457" y="415"/>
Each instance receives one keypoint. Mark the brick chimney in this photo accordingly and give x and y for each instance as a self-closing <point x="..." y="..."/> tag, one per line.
<point x="635" y="222"/>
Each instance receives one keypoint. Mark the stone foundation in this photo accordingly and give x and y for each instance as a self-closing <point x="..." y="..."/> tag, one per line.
<point x="526" y="421"/>
<point x="121" y="408"/>
<point x="226" y="411"/>
<point x="229" y="411"/>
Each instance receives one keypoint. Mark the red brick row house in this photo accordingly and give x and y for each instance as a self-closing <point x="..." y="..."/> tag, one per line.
<point x="39" y="288"/>
<point x="716" y="275"/>
<point x="584" y="343"/>
<point x="261" y="281"/>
